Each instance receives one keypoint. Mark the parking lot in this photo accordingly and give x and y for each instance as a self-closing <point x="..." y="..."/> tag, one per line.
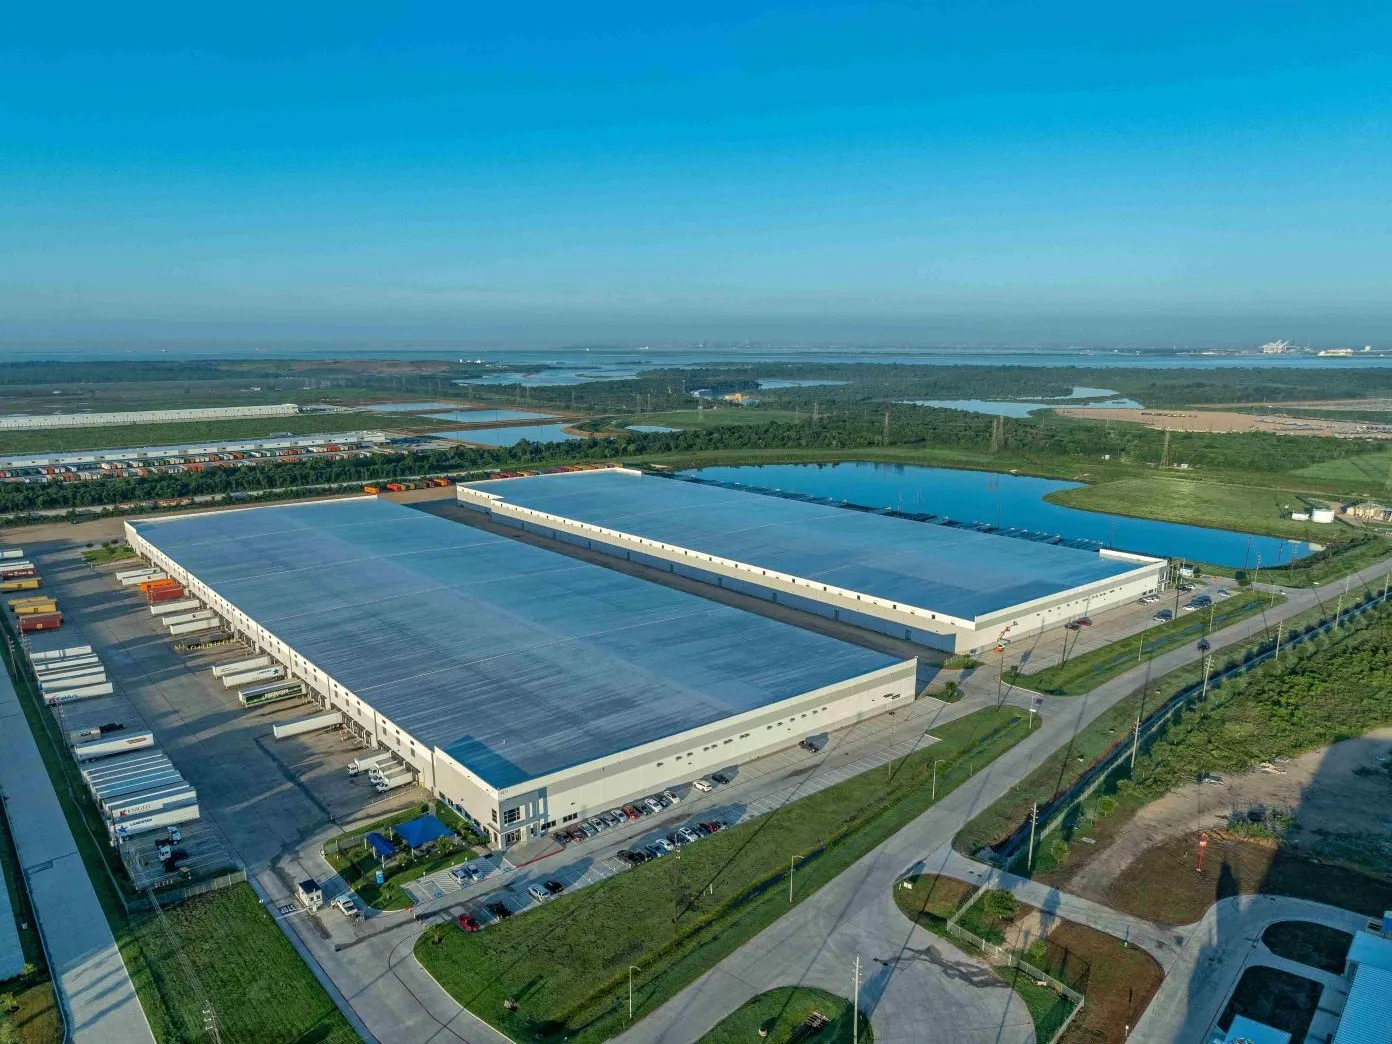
<point x="756" y="789"/>
<point x="261" y="795"/>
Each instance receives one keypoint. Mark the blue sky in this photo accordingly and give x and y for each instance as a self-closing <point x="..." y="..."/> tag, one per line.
<point x="918" y="173"/>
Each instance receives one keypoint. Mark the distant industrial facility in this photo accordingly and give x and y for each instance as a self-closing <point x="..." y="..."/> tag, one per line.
<point x="19" y="422"/>
<point x="524" y="687"/>
<point x="947" y="588"/>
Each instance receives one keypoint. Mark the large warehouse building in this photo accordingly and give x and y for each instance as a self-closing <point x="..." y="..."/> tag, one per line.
<point x="952" y="589"/>
<point x="525" y="687"/>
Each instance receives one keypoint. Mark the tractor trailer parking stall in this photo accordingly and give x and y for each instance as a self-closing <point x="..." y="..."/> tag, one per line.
<point x="525" y="688"/>
<point x="948" y="588"/>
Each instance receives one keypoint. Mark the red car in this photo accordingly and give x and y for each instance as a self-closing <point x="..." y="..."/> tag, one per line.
<point x="1085" y="621"/>
<point x="467" y="923"/>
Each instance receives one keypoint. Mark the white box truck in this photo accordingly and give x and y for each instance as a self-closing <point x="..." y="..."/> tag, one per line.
<point x="222" y="670"/>
<point x="133" y="825"/>
<point x="85" y="693"/>
<point x="327" y="720"/>
<point x="393" y="780"/>
<point x="371" y="760"/>
<point x="117" y="743"/>
<point x="253" y="677"/>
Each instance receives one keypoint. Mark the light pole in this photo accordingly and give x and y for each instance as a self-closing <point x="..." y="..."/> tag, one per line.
<point x="936" y="763"/>
<point x="855" y="1005"/>
<point x="631" y="969"/>
<point x="791" y="861"/>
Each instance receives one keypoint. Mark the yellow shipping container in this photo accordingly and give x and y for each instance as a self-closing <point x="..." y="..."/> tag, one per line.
<point x="30" y="583"/>
<point x="38" y="607"/>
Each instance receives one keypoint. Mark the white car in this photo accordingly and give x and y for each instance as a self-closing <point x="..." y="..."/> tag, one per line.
<point x="538" y="893"/>
<point x="670" y="798"/>
<point x="344" y="904"/>
<point x="653" y="804"/>
<point x="705" y="786"/>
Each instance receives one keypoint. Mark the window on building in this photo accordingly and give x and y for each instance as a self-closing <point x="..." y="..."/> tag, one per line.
<point x="511" y="815"/>
<point x="494" y="813"/>
<point x="512" y="837"/>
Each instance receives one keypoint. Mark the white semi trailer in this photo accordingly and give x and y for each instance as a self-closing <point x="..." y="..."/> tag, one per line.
<point x="116" y="743"/>
<point x="200" y="614"/>
<point x="178" y="795"/>
<point x="91" y="676"/>
<point x="67" y="663"/>
<point x="133" y="825"/>
<point x="86" y="693"/>
<point x="253" y="677"/>
<point x="194" y="626"/>
<point x="59" y="654"/>
<point x="222" y="670"/>
<point x="327" y="720"/>
<point x="183" y="605"/>
<point x="144" y="578"/>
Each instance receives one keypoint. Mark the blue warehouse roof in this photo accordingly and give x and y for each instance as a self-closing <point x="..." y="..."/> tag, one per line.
<point x="515" y="660"/>
<point x="957" y="572"/>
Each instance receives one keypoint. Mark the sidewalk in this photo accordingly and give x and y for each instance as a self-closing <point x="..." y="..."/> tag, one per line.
<point x="99" y="1001"/>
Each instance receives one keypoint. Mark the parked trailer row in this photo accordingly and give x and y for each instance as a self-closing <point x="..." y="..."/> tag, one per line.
<point x="87" y="676"/>
<point x="258" y="695"/>
<point x="179" y="795"/>
<point x="200" y="614"/>
<point x="109" y="746"/>
<point x="327" y="720"/>
<point x="253" y="676"/>
<point x="54" y="668"/>
<point x="238" y="666"/>
<point x="125" y="765"/>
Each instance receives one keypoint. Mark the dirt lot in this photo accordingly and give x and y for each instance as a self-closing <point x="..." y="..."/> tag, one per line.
<point x="1219" y="421"/>
<point x="1341" y="790"/>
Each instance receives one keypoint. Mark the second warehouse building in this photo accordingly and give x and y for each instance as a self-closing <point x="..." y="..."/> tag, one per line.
<point x="526" y="688"/>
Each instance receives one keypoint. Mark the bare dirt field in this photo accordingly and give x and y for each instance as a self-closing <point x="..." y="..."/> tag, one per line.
<point x="1219" y="421"/>
<point x="1343" y="789"/>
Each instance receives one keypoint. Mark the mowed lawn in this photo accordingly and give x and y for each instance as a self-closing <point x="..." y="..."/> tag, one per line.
<point x="1219" y="505"/>
<point x="782" y="1014"/>
<point x="566" y="964"/>
<point x="224" y="946"/>
<point x="1366" y="469"/>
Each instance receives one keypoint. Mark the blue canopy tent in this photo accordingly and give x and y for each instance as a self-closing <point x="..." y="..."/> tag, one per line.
<point x="421" y="831"/>
<point x="379" y="844"/>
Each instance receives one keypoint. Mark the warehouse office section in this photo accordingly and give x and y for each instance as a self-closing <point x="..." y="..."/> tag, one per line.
<point x="524" y="687"/>
<point x="947" y="588"/>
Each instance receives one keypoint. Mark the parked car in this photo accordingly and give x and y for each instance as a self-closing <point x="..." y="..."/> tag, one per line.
<point x="663" y="845"/>
<point x="635" y="857"/>
<point x="632" y="812"/>
<point x="1222" y="592"/>
<point x="554" y="887"/>
<point x="809" y="746"/>
<point x="705" y="786"/>
<point x="499" y="910"/>
<point x="656" y="851"/>
<point x="344" y="904"/>
<point x="467" y="923"/>
<point x="1204" y="645"/>
<point x="1212" y="780"/>
<point x="652" y="805"/>
<point x="721" y="778"/>
<point x="598" y="824"/>
<point x="1084" y="621"/>
<point x="1072" y="625"/>
<point x="1163" y="615"/>
<point x="688" y="835"/>
<point x="670" y="797"/>
<point x="562" y="837"/>
<point x="710" y="826"/>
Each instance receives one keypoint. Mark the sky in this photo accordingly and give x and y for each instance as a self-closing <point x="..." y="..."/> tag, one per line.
<point x="549" y="174"/>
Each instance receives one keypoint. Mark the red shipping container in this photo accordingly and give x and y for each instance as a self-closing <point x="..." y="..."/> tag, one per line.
<point x="44" y="622"/>
<point x="165" y="594"/>
<point x="17" y="574"/>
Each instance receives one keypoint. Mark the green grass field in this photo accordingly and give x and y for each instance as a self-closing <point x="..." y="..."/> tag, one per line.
<point x="1367" y="470"/>
<point x="1086" y="671"/>
<point x="224" y="947"/>
<point x="56" y="440"/>
<point x="566" y="963"/>
<point x="782" y="1012"/>
<point x="1197" y="502"/>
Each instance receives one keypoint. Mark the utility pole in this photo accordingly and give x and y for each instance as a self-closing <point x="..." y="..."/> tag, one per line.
<point x="790" y="879"/>
<point x="1034" y="823"/>
<point x="855" y="1005"/>
<point x="1280" y="627"/>
<point x="631" y="969"/>
<point x="1135" y="742"/>
<point x="1207" y="666"/>
<point x="936" y="763"/>
<point x="1165" y="452"/>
